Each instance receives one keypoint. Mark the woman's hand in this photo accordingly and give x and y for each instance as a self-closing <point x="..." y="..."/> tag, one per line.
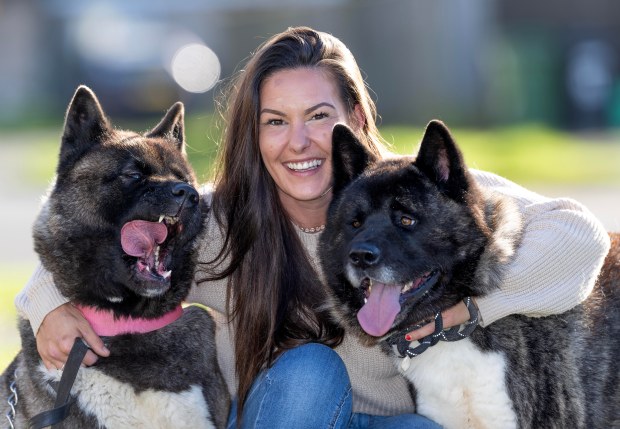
<point x="58" y="332"/>
<point x="453" y="316"/>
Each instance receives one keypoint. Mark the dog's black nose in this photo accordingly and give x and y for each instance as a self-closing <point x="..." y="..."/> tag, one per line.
<point x="185" y="192"/>
<point x="364" y="255"/>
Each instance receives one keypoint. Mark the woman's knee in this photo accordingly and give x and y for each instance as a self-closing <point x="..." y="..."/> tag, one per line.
<point x="310" y="364"/>
<point x="306" y="384"/>
<point x="306" y="370"/>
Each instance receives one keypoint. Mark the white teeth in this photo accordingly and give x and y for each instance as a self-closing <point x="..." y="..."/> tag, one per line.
<point x="165" y="274"/>
<point x="169" y="219"/>
<point x="366" y="286"/>
<point x="407" y="287"/>
<point x="156" y="256"/>
<point x="306" y="165"/>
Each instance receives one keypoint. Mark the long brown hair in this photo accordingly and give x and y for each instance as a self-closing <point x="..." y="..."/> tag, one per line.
<point x="274" y="294"/>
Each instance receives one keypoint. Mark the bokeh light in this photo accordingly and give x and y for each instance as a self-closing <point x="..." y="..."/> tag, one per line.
<point x="195" y="67"/>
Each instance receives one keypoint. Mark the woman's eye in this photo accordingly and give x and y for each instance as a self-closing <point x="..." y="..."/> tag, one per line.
<point x="319" y="115"/>
<point x="406" y="221"/>
<point x="274" y="122"/>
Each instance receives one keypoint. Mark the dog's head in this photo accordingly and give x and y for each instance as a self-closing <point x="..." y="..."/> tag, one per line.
<point x="403" y="236"/>
<point x="119" y="226"/>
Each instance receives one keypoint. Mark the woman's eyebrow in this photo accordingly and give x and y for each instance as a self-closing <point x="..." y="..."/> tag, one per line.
<point x="272" y="111"/>
<point x="308" y="110"/>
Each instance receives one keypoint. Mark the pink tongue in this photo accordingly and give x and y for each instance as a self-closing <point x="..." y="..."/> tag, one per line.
<point x="139" y="237"/>
<point x="377" y="315"/>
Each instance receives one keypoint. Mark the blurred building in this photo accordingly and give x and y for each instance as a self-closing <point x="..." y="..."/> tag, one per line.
<point x="470" y="62"/>
<point x="569" y="59"/>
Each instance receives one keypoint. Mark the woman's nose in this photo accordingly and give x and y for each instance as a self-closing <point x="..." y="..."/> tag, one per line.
<point x="299" y="139"/>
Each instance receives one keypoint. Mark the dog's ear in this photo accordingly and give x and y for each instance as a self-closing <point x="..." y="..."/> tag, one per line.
<point x="172" y="126"/>
<point x="349" y="157"/>
<point x="440" y="160"/>
<point x="85" y="126"/>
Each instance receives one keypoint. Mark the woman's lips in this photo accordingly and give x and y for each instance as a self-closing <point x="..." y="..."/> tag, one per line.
<point x="303" y="166"/>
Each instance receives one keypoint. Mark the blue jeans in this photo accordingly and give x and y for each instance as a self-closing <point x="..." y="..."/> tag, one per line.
<point x="308" y="388"/>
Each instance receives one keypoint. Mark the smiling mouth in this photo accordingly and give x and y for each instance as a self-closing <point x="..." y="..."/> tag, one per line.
<point x="382" y="302"/>
<point x="305" y="165"/>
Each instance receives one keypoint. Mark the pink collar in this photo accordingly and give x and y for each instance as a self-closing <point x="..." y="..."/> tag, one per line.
<point x="105" y="324"/>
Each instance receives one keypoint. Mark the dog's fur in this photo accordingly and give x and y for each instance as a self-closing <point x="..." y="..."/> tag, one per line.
<point x="397" y="220"/>
<point x="108" y="178"/>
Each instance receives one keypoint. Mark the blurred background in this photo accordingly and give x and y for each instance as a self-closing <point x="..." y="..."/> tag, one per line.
<point x="530" y="89"/>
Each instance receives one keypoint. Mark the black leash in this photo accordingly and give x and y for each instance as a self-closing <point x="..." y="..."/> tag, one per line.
<point x="455" y="333"/>
<point x="63" y="393"/>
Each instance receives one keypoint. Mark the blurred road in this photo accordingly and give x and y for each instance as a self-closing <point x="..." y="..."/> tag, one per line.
<point x="19" y="203"/>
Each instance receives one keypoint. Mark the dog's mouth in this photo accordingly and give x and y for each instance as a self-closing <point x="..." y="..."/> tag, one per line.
<point x="152" y="244"/>
<point x="382" y="302"/>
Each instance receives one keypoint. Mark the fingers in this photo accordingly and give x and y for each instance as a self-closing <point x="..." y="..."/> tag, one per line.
<point x="58" y="358"/>
<point x="53" y="354"/>
<point x="420" y="333"/>
<point x="93" y="340"/>
<point x="89" y="359"/>
<point x="453" y="316"/>
<point x="58" y="332"/>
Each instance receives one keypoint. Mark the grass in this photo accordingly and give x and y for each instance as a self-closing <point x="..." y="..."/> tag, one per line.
<point x="529" y="154"/>
<point x="14" y="277"/>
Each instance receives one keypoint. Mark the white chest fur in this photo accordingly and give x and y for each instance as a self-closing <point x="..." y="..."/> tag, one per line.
<point x="118" y="405"/>
<point x="460" y="387"/>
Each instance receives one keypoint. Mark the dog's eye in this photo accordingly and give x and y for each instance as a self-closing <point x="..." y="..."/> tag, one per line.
<point x="134" y="175"/>
<point x="356" y="223"/>
<point x="406" y="221"/>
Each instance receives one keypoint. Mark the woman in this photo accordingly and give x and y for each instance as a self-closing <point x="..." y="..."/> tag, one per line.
<point x="259" y="269"/>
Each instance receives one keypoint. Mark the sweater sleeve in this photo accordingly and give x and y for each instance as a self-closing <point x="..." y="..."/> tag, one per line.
<point x="38" y="298"/>
<point x="562" y="250"/>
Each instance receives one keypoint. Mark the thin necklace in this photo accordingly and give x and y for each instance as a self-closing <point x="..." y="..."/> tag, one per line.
<point x="312" y="229"/>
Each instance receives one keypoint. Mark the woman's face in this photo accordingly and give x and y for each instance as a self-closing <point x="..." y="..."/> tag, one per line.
<point x="298" y="109"/>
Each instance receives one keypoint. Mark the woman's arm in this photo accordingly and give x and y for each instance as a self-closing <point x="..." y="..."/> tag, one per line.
<point x="39" y="297"/>
<point x="562" y="250"/>
<point x="55" y="322"/>
<point x="558" y="261"/>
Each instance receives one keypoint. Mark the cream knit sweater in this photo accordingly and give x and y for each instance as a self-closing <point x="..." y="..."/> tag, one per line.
<point x="554" y="269"/>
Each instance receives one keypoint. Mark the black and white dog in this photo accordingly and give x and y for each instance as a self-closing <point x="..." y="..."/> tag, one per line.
<point x="409" y="237"/>
<point x="119" y="233"/>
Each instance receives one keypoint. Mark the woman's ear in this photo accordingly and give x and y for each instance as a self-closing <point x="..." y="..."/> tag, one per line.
<point x="359" y="119"/>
